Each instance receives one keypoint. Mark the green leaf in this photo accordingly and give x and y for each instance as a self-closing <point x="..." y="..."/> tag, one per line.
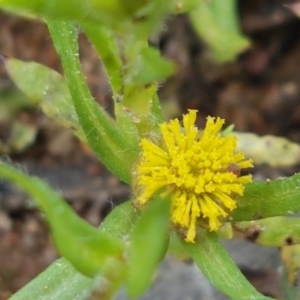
<point x="21" y="136"/>
<point x="59" y="281"/>
<point x="120" y="221"/>
<point x="106" y="45"/>
<point x="148" y="245"/>
<point x="141" y="103"/>
<point x="176" y="248"/>
<point x="113" y="12"/>
<point x="152" y="67"/>
<point x="219" y="268"/>
<point x="62" y="281"/>
<point x="80" y="243"/>
<point x="264" y="199"/>
<point x="185" y="6"/>
<point x="48" y="89"/>
<point x="216" y="23"/>
<point x="102" y="133"/>
<point x="133" y="69"/>
<point x="117" y="14"/>
<point x="271" y="232"/>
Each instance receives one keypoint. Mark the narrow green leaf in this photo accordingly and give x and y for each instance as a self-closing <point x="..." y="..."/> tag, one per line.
<point x="217" y="266"/>
<point x="106" y="45"/>
<point x="133" y="69"/>
<point x="48" y="89"/>
<point x="219" y="29"/>
<point x="264" y="199"/>
<point x="141" y="101"/>
<point x="148" y="245"/>
<point x="101" y="131"/>
<point x="79" y="242"/>
<point x="59" y="281"/>
<point x="152" y="67"/>
<point x="62" y="281"/>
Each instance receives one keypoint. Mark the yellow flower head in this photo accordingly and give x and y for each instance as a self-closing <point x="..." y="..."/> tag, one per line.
<point x="198" y="170"/>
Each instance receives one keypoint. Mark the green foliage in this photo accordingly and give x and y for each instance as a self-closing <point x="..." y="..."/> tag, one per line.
<point x="216" y="264"/>
<point x="21" y="134"/>
<point x="217" y="24"/>
<point x="83" y="245"/>
<point x="55" y="283"/>
<point x="264" y="199"/>
<point x="11" y="103"/>
<point x="128" y="246"/>
<point x="61" y="280"/>
<point x="272" y="232"/>
<point x="47" y="89"/>
<point x="133" y="69"/>
<point x="100" y="130"/>
<point x="107" y="11"/>
<point x="150" y="232"/>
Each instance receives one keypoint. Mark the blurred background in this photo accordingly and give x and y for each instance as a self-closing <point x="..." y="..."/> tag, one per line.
<point x="258" y="91"/>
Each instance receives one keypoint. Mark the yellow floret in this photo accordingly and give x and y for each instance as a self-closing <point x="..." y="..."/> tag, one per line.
<point x="195" y="170"/>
